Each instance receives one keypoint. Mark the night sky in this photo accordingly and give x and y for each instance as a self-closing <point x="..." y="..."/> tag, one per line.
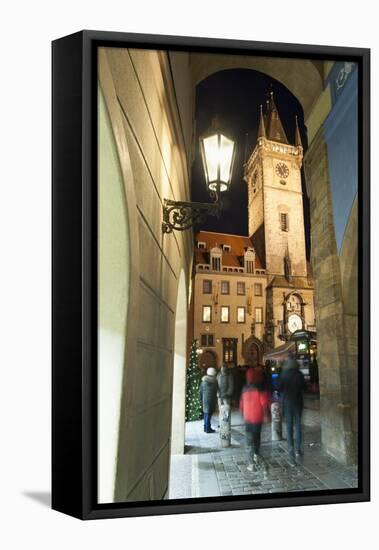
<point x="234" y="97"/>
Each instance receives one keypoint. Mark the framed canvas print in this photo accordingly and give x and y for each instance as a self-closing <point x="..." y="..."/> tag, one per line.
<point x="210" y="275"/>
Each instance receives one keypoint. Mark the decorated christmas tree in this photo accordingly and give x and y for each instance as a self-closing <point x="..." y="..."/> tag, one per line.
<point x="194" y="409"/>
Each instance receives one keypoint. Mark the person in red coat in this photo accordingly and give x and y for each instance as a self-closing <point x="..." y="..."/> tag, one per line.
<point x="254" y="407"/>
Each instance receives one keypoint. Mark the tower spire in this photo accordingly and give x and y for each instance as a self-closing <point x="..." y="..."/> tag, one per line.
<point x="261" y="129"/>
<point x="272" y="102"/>
<point x="274" y="128"/>
<point x="298" y="142"/>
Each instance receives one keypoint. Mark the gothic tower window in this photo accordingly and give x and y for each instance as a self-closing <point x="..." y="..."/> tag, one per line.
<point x="284" y="221"/>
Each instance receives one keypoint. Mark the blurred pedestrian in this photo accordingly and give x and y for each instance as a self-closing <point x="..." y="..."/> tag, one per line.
<point x="239" y="381"/>
<point x="224" y="394"/>
<point x="313" y="371"/>
<point x="267" y="376"/>
<point x="255" y="407"/>
<point x="208" y="396"/>
<point x="225" y="386"/>
<point x="292" y="387"/>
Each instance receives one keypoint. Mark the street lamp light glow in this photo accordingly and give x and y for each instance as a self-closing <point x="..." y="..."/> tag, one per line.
<point x="217" y="152"/>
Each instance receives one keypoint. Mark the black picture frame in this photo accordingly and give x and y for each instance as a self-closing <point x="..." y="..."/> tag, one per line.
<point x="74" y="293"/>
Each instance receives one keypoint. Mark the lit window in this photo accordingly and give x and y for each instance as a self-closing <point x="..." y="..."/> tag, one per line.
<point x="258" y="289"/>
<point x="241" y="289"/>
<point x="259" y="315"/>
<point x="207" y="314"/>
<point x="241" y="314"/>
<point x="284" y="221"/>
<point x="207" y="287"/>
<point x="224" y="314"/>
<point x="224" y="287"/>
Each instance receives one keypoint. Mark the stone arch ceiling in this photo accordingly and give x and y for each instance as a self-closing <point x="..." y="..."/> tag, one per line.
<point x="301" y="76"/>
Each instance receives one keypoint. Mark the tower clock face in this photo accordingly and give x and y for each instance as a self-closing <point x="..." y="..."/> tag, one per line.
<point x="282" y="170"/>
<point x="294" y="323"/>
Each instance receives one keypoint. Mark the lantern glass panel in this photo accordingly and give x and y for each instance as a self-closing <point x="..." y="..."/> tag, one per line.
<point x="211" y="154"/>
<point x="226" y="157"/>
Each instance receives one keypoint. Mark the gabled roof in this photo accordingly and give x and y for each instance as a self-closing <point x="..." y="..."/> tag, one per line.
<point x="237" y="243"/>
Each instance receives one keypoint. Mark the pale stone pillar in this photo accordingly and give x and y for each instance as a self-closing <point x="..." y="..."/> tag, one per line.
<point x="335" y="383"/>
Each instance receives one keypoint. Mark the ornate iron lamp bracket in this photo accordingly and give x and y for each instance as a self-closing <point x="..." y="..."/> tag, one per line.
<point x="183" y="215"/>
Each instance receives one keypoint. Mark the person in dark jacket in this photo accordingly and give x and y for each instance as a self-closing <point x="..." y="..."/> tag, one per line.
<point x="225" y="386"/>
<point x="254" y="407"/>
<point x="224" y="394"/>
<point x="208" y="396"/>
<point x="292" y="387"/>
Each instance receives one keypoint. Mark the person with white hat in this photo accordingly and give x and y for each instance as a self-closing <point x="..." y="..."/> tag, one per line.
<point x="208" y="396"/>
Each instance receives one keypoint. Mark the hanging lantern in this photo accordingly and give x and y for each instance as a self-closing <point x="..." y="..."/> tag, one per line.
<point x="217" y="152"/>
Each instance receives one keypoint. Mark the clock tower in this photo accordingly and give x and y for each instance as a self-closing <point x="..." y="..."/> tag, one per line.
<point x="275" y="199"/>
<point x="276" y="227"/>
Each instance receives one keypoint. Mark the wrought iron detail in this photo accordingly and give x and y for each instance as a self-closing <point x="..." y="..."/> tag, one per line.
<point x="183" y="215"/>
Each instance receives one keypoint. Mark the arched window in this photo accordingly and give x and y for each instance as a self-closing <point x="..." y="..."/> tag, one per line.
<point x="216" y="258"/>
<point x="249" y="260"/>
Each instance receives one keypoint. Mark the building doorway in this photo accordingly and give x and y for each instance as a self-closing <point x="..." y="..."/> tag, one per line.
<point x="229" y="351"/>
<point x="252" y="352"/>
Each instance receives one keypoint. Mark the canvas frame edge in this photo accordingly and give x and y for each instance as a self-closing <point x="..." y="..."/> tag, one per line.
<point x="73" y="491"/>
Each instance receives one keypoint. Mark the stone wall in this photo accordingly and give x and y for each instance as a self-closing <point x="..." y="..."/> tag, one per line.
<point x="349" y="282"/>
<point x="331" y="168"/>
<point x="335" y="385"/>
<point x="151" y="136"/>
<point x="279" y="199"/>
<point x="272" y="198"/>
<point x="255" y="209"/>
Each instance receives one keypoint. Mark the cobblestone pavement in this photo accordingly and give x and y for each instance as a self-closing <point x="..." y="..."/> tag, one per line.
<point x="206" y="469"/>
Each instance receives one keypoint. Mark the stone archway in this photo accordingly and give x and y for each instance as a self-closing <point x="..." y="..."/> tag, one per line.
<point x="252" y="351"/>
<point x="114" y="276"/>
<point x="337" y="303"/>
<point x="302" y="77"/>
